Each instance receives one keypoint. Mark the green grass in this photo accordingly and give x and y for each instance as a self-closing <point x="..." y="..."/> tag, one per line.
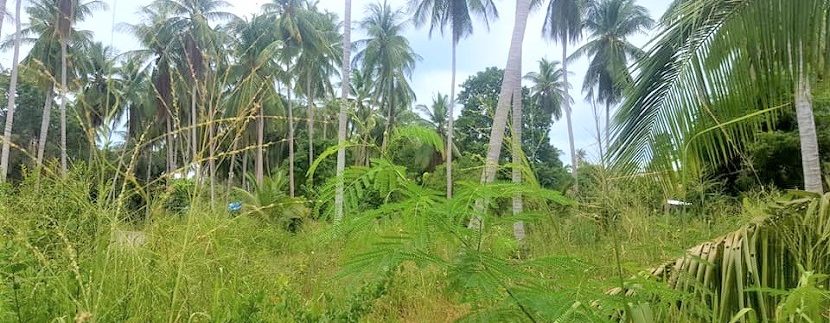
<point x="59" y="261"/>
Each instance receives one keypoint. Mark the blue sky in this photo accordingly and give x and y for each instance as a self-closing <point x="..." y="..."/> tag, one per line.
<point x="486" y="47"/>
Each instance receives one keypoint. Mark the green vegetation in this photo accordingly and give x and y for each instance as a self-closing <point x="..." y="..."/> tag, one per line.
<point x="173" y="190"/>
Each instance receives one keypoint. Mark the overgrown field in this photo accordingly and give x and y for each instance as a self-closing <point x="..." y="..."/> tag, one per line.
<point x="69" y="255"/>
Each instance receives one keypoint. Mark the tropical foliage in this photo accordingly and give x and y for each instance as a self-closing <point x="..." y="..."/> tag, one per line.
<point x="165" y="183"/>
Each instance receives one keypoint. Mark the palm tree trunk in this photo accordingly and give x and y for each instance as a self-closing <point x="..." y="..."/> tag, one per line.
<point x="3" y="10"/>
<point x="290" y="144"/>
<point x="260" y="135"/>
<point x="517" y="153"/>
<point x="44" y="124"/>
<point x="450" y="121"/>
<point x="599" y="134"/>
<point x="232" y="166"/>
<point x="193" y="125"/>
<point x="810" y="161"/>
<point x="310" y="98"/>
<point x="574" y="163"/>
<point x="170" y="141"/>
<point x="245" y="170"/>
<point x="64" y="91"/>
<point x="512" y="80"/>
<point x="390" y="120"/>
<point x="607" y="126"/>
<point x="341" y="116"/>
<point x="12" y="95"/>
<point x="211" y="157"/>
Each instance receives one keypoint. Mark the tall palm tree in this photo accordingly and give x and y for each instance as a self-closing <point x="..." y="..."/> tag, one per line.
<point x="51" y="45"/>
<point x="563" y="23"/>
<point x="455" y="15"/>
<point x="297" y="27"/>
<point x="548" y="88"/>
<point x="156" y="34"/>
<point x="716" y="63"/>
<point x="511" y="92"/>
<point x="386" y="57"/>
<point x="609" y="23"/>
<point x="436" y="113"/>
<point x="254" y="74"/>
<point x="200" y="42"/>
<point x="315" y="64"/>
<point x="511" y="82"/>
<point x="97" y="95"/>
<point x="12" y="94"/>
<point x="341" y="116"/>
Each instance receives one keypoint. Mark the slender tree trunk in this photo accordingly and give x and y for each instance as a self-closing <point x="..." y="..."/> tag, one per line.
<point x="290" y="144"/>
<point x="310" y="121"/>
<point x="245" y="170"/>
<point x="390" y="120"/>
<point x="64" y="91"/>
<point x="260" y="136"/>
<point x="512" y="80"/>
<point x="171" y="143"/>
<point x="599" y="133"/>
<point x="212" y="157"/>
<point x="232" y="167"/>
<point x="44" y="124"/>
<point x="607" y="126"/>
<point x="12" y="95"/>
<point x="3" y="16"/>
<point x="810" y="161"/>
<point x="193" y="125"/>
<point x="517" y="154"/>
<point x="450" y="120"/>
<point x="574" y="162"/>
<point x="341" y="116"/>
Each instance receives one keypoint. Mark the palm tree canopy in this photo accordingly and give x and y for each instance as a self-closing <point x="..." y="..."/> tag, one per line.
<point x="386" y="56"/>
<point x="455" y="15"/>
<point x="548" y="88"/>
<point x="563" y="19"/>
<point x="715" y="77"/>
<point x="610" y="23"/>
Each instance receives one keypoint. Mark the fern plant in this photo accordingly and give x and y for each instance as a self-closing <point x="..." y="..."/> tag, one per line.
<point x="418" y="225"/>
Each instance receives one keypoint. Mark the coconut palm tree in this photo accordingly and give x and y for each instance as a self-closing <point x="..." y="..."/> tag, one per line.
<point x="511" y="92"/>
<point x="454" y="16"/>
<point x="563" y="24"/>
<point x="315" y="64"/>
<point x="97" y="95"/>
<point x="548" y="88"/>
<point x="386" y="57"/>
<point x="156" y="34"/>
<point x="12" y="94"/>
<point x="253" y="74"/>
<point x="511" y="82"/>
<point x="716" y="71"/>
<point x="609" y="23"/>
<point x="436" y="113"/>
<point x="341" y="116"/>
<point x="297" y="24"/>
<point x="51" y="33"/>
<point x="200" y="41"/>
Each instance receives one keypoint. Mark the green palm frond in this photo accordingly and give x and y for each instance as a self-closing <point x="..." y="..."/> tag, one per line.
<point x="715" y="62"/>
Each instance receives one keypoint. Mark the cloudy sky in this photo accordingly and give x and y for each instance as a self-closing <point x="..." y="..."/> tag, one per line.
<point x="485" y="48"/>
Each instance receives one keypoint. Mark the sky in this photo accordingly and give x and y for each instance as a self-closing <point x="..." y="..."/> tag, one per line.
<point x="486" y="47"/>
